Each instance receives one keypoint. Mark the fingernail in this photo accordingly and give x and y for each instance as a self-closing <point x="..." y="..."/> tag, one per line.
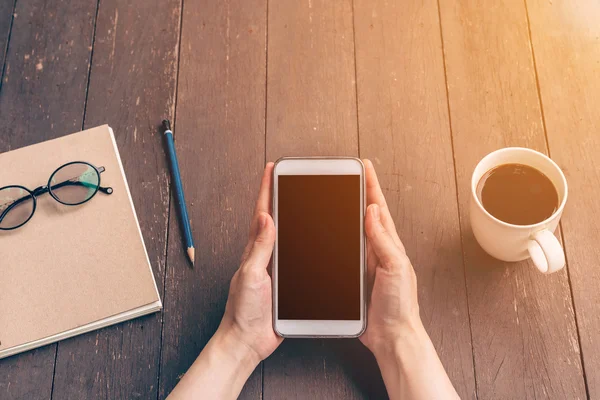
<point x="262" y="221"/>
<point x="375" y="211"/>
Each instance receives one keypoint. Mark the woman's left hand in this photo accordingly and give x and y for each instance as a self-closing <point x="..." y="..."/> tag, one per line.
<point x="248" y="315"/>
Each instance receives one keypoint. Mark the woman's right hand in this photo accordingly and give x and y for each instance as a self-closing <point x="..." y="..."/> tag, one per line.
<point x="393" y="308"/>
<point x="409" y="364"/>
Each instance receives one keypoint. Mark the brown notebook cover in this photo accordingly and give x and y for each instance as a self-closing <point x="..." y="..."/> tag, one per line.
<point x="71" y="269"/>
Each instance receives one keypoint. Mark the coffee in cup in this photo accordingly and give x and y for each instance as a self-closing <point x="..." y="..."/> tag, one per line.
<point x="518" y="194"/>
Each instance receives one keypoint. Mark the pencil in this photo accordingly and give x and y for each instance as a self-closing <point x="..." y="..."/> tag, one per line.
<point x="183" y="214"/>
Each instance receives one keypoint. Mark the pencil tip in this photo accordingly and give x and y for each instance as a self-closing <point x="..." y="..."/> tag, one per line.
<point x="191" y="254"/>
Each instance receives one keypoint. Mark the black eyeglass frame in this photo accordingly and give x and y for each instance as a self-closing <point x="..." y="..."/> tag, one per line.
<point x="40" y="190"/>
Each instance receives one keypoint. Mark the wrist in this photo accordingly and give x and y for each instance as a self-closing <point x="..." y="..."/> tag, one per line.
<point x="407" y="336"/>
<point x="229" y="346"/>
<point x="220" y="371"/>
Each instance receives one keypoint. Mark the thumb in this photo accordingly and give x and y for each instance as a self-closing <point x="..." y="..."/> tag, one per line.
<point x="390" y="256"/>
<point x="262" y="246"/>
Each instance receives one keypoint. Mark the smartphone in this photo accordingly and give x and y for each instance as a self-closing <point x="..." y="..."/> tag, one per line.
<point x="319" y="266"/>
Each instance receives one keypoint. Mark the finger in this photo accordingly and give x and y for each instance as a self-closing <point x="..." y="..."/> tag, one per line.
<point x="371" y="259"/>
<point x="371" y="265"/>
<point x="374" y="192"/>
<point x="262" y="246"/>
<point x="263" y="204"/>
<point x="390" y="256"/>
<point x="375" y="196"/>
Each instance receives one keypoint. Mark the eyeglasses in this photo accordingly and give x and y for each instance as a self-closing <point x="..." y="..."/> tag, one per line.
<point x="71" y="184"/>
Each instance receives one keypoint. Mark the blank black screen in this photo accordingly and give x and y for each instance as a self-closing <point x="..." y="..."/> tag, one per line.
<point x="319" y="247"/>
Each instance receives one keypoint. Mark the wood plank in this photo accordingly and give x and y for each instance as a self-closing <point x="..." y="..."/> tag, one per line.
<point x="219" y="135"/>
<point x="43" y="97"/>
<point x="311" y="110"/>
<point x="566" y="44"/>
<point x="132" y="87"/>
<point x="311" y="79"/>
<point x="524" y="335"/>
<point x="404" y="130"/>
<point x="6" y="18"/>
<point x="45" y="78"/>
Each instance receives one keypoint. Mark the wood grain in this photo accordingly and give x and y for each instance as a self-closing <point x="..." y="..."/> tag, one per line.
<point x="43" y="97"/>
<point x="311" y="110"/>
<point x="6" y="18"/>
<point x="524" y="335"/>
<point x="311" y="106"/>
<point x="404" y="130"/>
<point x="43" y="92"/>
<point x="566" y="44"/>
<point x="219" y="136"/>
<point x="132" y="87"/>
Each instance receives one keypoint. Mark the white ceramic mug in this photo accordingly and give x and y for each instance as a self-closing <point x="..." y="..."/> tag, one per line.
<point x="508" y="242"/>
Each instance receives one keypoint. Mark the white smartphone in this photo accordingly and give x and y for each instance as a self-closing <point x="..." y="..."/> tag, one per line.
<point x="319" y="266"/>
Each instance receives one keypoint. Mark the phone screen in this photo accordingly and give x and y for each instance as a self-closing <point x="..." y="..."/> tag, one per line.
<point x="319" y="258"/>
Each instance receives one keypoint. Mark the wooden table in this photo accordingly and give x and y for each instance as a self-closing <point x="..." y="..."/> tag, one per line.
<point x="423" y="88"/>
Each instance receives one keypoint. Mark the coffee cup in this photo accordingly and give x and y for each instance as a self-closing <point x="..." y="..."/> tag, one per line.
<point x="514" y="242"/>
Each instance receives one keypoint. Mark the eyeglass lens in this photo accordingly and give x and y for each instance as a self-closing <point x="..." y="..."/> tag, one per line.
<point x="16" y="206"/>
<point x="74" y="183"/>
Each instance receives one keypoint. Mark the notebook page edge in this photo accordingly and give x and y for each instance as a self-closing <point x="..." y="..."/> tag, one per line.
<point x="137" y="222"/>
<point x="102" y="323"/>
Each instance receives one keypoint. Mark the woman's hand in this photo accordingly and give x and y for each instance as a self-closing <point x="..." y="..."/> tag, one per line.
<point x="245" y="336"/>
<point x="393" y="308"/>
<point x="409" y="364"/>
<point x="248" y="314"/>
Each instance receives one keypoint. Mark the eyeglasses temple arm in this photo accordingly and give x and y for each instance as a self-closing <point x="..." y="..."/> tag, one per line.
<point x="105" y="190"/>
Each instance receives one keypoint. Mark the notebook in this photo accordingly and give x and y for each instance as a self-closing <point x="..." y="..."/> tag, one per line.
<point x="71" y="269"/>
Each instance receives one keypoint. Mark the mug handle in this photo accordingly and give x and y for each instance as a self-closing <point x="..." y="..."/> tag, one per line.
<point x="546" y="252"/>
